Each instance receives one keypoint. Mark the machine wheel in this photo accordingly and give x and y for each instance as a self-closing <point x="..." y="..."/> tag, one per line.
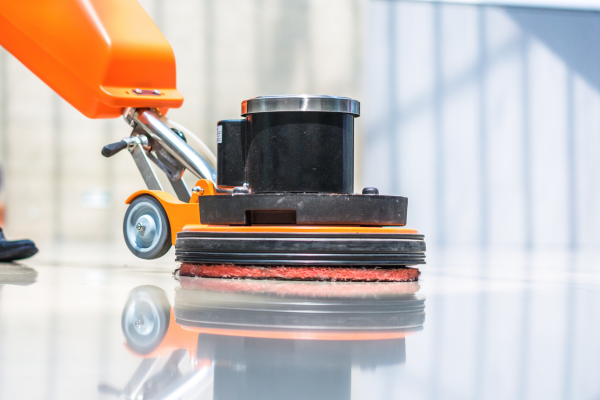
<point x="145" y="318"/>
<point x="146" y="228"/>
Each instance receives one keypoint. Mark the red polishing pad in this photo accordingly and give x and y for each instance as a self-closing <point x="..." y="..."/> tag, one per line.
<point x="302" y="273"/>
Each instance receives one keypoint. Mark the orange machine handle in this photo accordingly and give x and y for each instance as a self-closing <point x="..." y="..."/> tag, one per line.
<point x="93" y="53"/>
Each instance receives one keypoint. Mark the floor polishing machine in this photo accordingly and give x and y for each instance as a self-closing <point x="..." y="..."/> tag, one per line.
<point x="280" y="204"/>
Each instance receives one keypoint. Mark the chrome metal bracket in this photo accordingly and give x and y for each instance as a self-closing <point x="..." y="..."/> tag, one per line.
<point x="152" y="140"/>
<point x="152" y="124"/>
<point x="181" y="190"/>
<point x="141" y="161"/>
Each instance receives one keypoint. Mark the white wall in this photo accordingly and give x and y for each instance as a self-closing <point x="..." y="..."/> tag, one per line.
<point x="488" y="120"/>
<point x="556" y="4"/>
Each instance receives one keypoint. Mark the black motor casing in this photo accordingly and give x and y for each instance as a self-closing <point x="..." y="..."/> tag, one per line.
<point x="231" y="136"/>
<point x="289" y="144"/>
<point x="300" y="152"/>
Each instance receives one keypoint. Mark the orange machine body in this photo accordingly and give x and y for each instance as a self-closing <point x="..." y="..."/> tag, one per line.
<point x="93" y="53"/>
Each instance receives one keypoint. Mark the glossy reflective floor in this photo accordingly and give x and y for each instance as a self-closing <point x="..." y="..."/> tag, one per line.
<point x="85" y="322"/>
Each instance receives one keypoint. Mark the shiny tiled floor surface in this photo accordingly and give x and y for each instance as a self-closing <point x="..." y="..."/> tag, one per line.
<point x="496" y="325"/>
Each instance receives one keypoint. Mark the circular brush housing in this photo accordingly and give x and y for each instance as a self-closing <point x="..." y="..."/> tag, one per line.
<point x="293" y="214"/>
<point x="344" y="246"/>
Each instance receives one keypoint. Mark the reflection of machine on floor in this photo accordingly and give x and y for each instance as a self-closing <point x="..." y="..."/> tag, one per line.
<point x="283" y="191"/>
<point x="150" y="330"/>
<point x="267" y="339"/>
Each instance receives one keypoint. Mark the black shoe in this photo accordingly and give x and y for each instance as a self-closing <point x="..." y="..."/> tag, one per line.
<point x="12" y="250"/>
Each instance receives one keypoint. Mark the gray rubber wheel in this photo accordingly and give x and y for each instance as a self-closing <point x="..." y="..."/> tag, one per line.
<point x="146" y="228"/>
<point x="145" y="318"/>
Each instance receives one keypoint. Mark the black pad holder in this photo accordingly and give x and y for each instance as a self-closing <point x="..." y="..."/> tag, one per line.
<point x="350" y="249"/>
<point x="303" y="209"/>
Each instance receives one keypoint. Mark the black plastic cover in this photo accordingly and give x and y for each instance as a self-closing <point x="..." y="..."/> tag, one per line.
<point x="231" y="135"/>
<point x="251" y="248"/>
<point x="303" y="209"/>
<point x="300" y="152"/>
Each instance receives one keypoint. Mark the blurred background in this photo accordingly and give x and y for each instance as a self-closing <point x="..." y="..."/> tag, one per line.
<point x="486" y="116"/>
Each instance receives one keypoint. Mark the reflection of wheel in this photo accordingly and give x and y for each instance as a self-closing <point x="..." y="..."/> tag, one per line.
<point x="145" y="318"/>
<point x="146" y="228"/>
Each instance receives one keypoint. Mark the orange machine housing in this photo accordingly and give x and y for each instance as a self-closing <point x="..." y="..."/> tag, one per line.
<point x="93" y="53"/>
